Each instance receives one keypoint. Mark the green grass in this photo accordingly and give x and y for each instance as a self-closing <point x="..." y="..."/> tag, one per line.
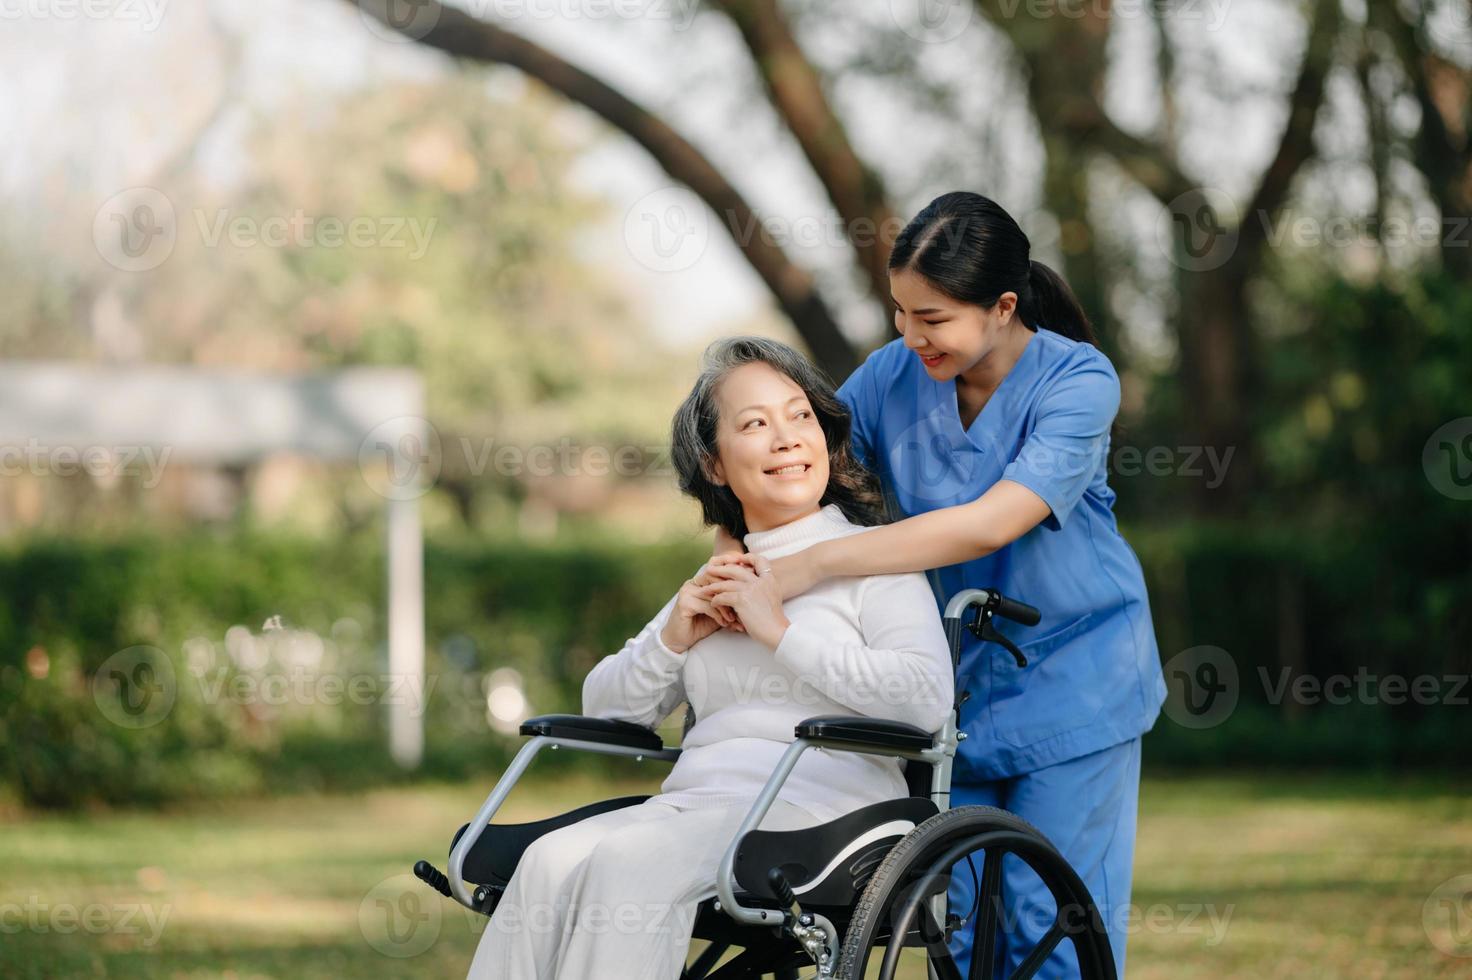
<point x="1306" y="877"/>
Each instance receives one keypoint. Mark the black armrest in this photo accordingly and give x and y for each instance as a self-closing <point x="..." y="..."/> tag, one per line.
<point x="605" y="730"/>
<point x="857" y="730"/>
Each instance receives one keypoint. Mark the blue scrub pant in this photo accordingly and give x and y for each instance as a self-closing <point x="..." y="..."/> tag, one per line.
<point x="1087" y="808"/>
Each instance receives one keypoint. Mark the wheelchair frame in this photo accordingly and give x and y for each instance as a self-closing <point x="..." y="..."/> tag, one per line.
<point x="816" y="933"/>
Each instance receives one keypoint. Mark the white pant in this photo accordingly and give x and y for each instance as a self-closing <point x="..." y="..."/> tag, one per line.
<point x="614" y="895"/>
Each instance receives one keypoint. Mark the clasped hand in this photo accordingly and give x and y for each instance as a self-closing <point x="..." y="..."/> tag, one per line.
<point x="728" y="592"/>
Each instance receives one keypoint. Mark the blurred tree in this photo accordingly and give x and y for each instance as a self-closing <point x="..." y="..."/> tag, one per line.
<point x="1442" y="90"/>
<point x="1065" y="61"/>
<point x="45" y="292"/>
<point x="468" y="272"/>
<point x="463" y="35"/>
<point x="429" y="225"/>
<point x="795" y="89"/>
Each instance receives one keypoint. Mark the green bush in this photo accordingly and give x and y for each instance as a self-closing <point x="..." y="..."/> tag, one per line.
<point x="1328" y="602"/>
<point x="548" y="612"/>
<point x="1347" y="561"/>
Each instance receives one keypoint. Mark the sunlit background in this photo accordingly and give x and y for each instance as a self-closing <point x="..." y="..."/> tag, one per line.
<point x="336" y="373"/>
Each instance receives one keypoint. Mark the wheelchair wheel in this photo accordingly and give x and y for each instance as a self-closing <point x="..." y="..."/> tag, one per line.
<point x="897" y="900"/>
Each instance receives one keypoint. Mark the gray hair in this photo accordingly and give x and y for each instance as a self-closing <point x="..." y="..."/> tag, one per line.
<point x="693" y="434"/>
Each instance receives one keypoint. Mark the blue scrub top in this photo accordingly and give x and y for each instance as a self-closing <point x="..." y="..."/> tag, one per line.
<point x="1093" y="678"/>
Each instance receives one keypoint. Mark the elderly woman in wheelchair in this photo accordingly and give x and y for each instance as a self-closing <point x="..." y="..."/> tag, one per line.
<point x="788" y="821"/>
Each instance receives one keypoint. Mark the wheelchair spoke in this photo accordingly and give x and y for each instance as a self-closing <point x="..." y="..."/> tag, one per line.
<point x="984" y="941"/>
<point x="1040" y="952"/>
<point x="923" y="888"/>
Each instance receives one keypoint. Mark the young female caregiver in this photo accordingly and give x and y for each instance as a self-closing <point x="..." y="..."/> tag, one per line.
<point x="988" y="420"/>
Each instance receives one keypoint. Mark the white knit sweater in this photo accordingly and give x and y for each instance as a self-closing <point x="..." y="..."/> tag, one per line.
<point x="857" y="646"/>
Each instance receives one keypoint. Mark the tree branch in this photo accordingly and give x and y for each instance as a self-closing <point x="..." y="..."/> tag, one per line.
<point x="1065" y="61"/>
<point x="456" y="33"/>
<point x="1297" y="143"/>
<point x="1443" y="143"/>
<point x="796" y="91"/>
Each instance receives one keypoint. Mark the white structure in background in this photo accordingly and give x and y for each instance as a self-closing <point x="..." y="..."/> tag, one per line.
<point x="371" y="417"/>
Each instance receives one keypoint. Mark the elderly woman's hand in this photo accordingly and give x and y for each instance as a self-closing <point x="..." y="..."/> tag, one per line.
<point x="692" y="620"/>
<point x="755" y="599"/>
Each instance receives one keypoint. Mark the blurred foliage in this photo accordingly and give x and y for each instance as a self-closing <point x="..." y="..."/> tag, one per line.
<point x="1334" y="588"/>
<point x="434" y="225"/>
<point x="1351" y="563"/>
<point x="1344" y="559"/>
<point x="548" y="611"/>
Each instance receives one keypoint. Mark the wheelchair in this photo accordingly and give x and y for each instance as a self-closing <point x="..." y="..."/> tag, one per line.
<point x="848" y="896"/>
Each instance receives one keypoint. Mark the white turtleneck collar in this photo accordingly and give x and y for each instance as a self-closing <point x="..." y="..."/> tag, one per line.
<point x="827" y="522"/>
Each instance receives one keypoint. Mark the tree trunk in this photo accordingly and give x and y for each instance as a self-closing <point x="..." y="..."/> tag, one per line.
<point x="457" y="33"/>
<point x="796" y="92"/>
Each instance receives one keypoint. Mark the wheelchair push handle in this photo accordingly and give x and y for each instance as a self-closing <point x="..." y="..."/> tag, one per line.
<point x="1018" y="612"/>
<point x="988" y="604"/>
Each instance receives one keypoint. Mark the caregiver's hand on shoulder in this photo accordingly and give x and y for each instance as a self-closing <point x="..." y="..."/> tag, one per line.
<point x="795" y="573"/>
<point x="756" y="599"/>
<point x="692" y="620"/>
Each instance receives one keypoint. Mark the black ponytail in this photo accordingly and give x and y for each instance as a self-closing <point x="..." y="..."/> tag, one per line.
<point x="1051" y="303"/>
<point x="972" y="250"/>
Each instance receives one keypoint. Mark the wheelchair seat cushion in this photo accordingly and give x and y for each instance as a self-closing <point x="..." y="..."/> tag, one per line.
<point x="830" y="863"/>
<point x="496" y="854"/>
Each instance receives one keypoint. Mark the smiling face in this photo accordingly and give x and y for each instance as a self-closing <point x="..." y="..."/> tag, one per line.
<point x="772" y="451"/>
<point x="950" y="337"/>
